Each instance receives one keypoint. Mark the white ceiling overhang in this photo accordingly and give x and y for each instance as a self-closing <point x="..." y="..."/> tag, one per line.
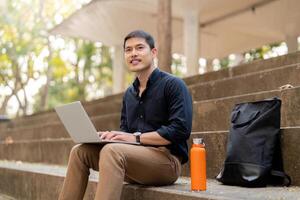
<point x="226" y="26"/>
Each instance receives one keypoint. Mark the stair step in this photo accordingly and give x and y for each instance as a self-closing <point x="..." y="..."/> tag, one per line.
<point x="208" y="83"/>
<point x="213" y="115"/>
<point x="206" y="117"/>
<point x="254" y="66"/>
<point x="49" y="151"/>
<point x="270" y="79"/>
<point x="93" y="108"/>
<point x="26" y="181"/>
<point x="46" y="151"/>
<point x="57" y="130"/>
<point x="216" y="142"/>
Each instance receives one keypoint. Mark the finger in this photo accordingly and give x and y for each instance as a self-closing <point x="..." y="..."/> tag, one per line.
<point x="118" y="132"/>
<point x="104" y="135"/>
<point x="110" y="136"/>
<point x="99" y="133"/>
<point x="117" y="137"/>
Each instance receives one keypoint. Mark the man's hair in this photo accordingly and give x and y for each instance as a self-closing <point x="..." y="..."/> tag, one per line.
<point x="140" y="34"/>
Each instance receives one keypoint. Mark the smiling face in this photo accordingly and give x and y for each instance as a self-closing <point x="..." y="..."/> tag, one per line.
<point x="138" y="55"/>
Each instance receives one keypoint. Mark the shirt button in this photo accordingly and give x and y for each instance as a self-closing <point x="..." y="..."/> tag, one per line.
<point x="141" y="102"/>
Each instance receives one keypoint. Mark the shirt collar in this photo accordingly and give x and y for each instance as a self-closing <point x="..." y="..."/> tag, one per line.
<point x="152" y="79"/>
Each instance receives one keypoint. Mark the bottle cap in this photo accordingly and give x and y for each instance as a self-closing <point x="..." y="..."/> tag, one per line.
<point x="198" y="141"/>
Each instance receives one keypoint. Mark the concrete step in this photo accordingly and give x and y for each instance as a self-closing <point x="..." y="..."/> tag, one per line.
<point x="212" y="115"/>
<point x="93" y="108"/>
<point x="46" y="151"/>
<point x="206" y="117"/>
<point x="255" y="66"/>
<point x="49" y="151"/>
<point x="249" y="83"/>
<point x="26" y="181"/>
<point x="56" y="129"/>
<point x="216" y="142"/>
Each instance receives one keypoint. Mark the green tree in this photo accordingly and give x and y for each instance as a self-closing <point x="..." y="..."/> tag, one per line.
<point x="80" y="79"/>
<point x="19" y="48"/>
<point x="29" y="55"/>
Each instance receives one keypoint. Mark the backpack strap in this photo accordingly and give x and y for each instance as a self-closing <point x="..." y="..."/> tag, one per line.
<point x="280" y="178"/>
<point x="277" y="174"/>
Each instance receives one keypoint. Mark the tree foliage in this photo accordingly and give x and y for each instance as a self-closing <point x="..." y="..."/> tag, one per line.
<point x="39" y="71"/>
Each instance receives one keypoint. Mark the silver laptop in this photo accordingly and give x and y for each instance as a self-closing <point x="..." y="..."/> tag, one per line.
<point x="79" y="125"/>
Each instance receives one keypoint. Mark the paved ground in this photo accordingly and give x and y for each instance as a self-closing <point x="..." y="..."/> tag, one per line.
<point x="180" y="190"/>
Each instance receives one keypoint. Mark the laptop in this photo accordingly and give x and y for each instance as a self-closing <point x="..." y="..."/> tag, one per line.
<point x="79" y="126"/>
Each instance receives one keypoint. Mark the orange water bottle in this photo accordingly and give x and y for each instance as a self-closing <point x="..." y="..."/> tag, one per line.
<point x="198" y="165"/>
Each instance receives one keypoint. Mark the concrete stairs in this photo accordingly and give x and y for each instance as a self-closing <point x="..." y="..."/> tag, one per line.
<point x="41" y="151"/>
<point x="253" y="84"/>
<point x="249" y="83"/>
<point x="92" y="108"/>
<point x="28" y="180"/>
<point x="214" y="114"/>
<point x="255" y="66"/>
<point x="252" y="68"/>
<point x="34" y="149"/>
<point x="206" y="111"/>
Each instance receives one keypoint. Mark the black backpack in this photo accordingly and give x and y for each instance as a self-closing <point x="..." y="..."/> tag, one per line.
<point x="253" y="150"/>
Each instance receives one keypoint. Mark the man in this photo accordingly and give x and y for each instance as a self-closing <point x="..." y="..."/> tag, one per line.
<point x="157" y="112"/>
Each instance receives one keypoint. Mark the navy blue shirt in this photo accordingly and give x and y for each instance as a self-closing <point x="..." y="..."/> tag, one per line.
<point x="165" y="106"/>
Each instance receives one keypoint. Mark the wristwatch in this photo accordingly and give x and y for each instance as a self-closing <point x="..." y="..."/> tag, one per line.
<point x="137" y="136"/>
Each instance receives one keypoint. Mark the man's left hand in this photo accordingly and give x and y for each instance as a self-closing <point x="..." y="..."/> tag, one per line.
<point x="117" y="135"/>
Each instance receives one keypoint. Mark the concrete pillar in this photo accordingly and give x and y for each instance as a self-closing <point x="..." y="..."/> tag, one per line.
<point x="118" y="69"/>
<point x="191" y="40"/>
<point x="209" y="65"/>
<point x="292" y="43"/>
<point x="164" y="35"/>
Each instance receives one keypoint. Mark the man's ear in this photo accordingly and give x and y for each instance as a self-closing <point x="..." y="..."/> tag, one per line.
<point x="154" y="52"/>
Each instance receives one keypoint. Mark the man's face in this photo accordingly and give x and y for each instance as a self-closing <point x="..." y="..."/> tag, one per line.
<point x="138" y="55"/>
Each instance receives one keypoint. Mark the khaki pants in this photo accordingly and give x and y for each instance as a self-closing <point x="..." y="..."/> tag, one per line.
<point x="117" y="163"/>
